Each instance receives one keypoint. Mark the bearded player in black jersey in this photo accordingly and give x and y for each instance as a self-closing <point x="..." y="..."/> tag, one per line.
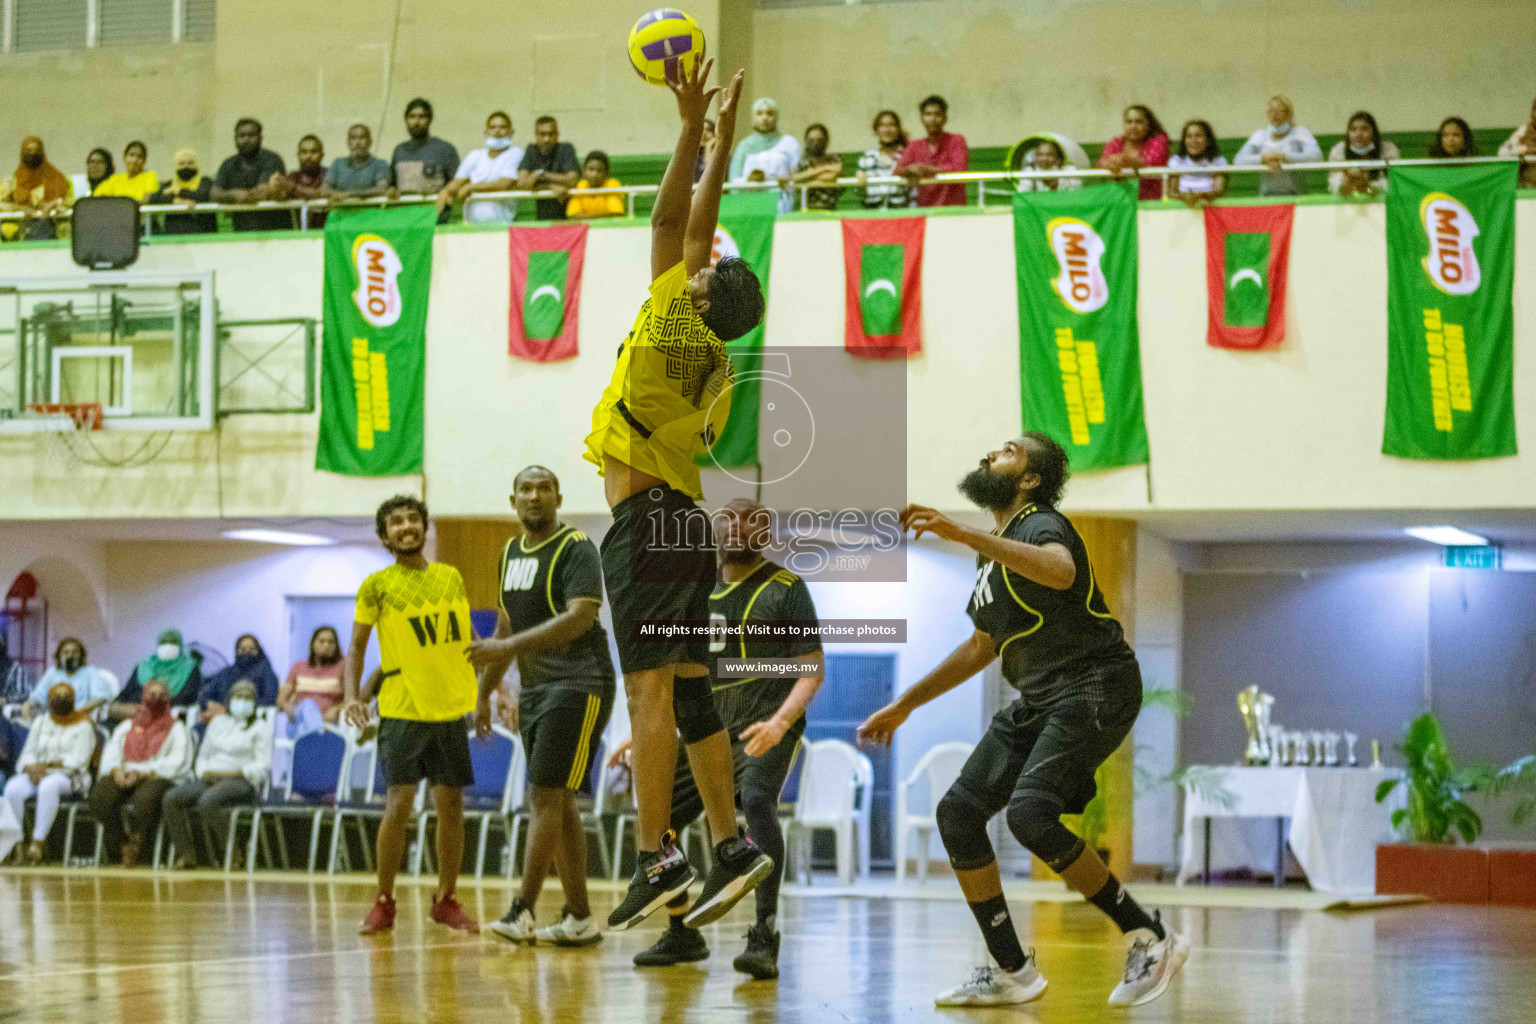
<point x="551" y="589"/>
<point x="1036" y="606"/>
<point x="765" y="717"/>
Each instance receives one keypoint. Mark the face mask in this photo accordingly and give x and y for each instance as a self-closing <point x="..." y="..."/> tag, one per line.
<point x="70" y="663"/>
<point x="168" y="652"/>
<point x="186" y="173"/>
<point x="242" y="709"/>
<point x="33" y="159"/>
<point x="157" y="705"/>
<point x="1280" y="129"/>
<point x="61" y="708"/>
<point x="494" y="143"/>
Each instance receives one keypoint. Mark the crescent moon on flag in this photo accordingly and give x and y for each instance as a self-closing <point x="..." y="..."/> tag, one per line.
<point x="880" y="285"/>
<point x="1246" y="273"/>
<point x="551" y="289"/>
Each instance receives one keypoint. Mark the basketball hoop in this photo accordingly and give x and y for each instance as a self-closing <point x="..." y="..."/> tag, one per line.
<point x="84" y="415"/>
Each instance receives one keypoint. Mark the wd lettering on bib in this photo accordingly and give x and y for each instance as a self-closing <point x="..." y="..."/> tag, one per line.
<point x="520" y="573"/>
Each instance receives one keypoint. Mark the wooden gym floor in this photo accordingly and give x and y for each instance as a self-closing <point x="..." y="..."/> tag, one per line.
<point x="112" y="946"/>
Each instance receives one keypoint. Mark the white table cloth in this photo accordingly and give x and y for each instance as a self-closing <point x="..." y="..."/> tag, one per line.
<point x="1335" y="823"/>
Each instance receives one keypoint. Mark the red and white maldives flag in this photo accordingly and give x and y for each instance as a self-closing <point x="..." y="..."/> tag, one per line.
<point x="1247" y="261"/>
<point x="546" y="291"/>
<point x="883" y="275"/>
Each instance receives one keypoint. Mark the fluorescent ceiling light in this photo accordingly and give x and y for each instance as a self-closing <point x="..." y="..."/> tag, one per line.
<point x="1450" y="536"/>
<point x="280" y="537"/>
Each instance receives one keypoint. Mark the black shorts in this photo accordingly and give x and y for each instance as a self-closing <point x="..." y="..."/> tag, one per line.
<point x="436" y="751"/>
<point x="561" y="728"/>
<point x="757" y="778"/>
<point x="659" y="567"/>
<point x="1055" y="748"/>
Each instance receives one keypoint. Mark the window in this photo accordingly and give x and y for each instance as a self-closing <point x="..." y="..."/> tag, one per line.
<point x="134" y="21"/>
<point x="197" y="20"/>
<point x="49" y="24"/>
<point x="73" y="24"/>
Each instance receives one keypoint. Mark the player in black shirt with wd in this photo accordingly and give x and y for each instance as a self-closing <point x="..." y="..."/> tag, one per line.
<point x="1037" y="606"/>
<point x="765" y="717"/>
<point x="551" y="589"/>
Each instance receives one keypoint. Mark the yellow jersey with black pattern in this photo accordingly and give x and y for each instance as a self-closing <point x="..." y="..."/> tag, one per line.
<point x="422" y="618"/>
<point x="1038" y="630"/>
<point x="670" y="393"/>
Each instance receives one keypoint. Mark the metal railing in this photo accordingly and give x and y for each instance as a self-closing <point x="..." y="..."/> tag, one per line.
<point x="631" y="192"/>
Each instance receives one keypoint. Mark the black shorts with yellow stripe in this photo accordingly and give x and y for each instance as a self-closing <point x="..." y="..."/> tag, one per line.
<point x="562" y="727"/>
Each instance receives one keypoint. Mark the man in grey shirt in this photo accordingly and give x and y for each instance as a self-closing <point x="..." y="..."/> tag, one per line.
<point x="359" y="173"/>
<point x="423" y="164"/>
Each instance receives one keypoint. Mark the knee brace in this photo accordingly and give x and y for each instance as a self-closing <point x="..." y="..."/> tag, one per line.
<point x="694" y="708"/>
<point x="1035" y="821"/>
<point x="963" y="829"/>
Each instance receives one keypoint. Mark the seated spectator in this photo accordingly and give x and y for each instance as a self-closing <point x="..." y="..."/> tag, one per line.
<point x="1280" y="142"/>
<point x="15" y="687"/>
<point x="143" y="759"/>
<point x="187" y="187"/>
<point x="1198" y="153"/>
<point x="308" y="182"/>
<point x="594" y="174"/>
<point x="172" y="665"/>
<point x="133" y="180"/>
<point x="1047" y="156"/>
<point x="94" y="688"/>
<point x="247" y="177"/>
<point x="706" y="146"/>
<point x="1453" y="141"/>
<point x="940" y="152"/>
<point x="37" y="189"/>
<point x="98" y="168"/>
<point x="250" y="666"/>
<point x="880" y="162"/>
<point x="1522" y="142"/>
<point x="548" y="164"/>
<point x="423" y="164"/>
<point x="312" y="694"/>
<point x="359" y="174"/>
<point x="773" y="155"/>
<point x="492" y="168"/>
<point x="818" y="167"/>
<point x="232" y="762"/>
<point x="54" y="762"/>
<point x="1142" y="143"/>
<point x="1362" y="141"/>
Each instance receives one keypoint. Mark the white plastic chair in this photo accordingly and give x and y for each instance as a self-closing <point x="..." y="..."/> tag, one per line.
<point x="937" y="770"/>
<point x="829" y="779"/>
<point x="861" y="810"/>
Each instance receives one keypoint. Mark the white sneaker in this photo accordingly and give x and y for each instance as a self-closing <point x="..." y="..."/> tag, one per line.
<point x="571" y="931"/>
<point x="993" y="986"/>
<point x="516" y="926"/>
<point x="1150" y="965"/>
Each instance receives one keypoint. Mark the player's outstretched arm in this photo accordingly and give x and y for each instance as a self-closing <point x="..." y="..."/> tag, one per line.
<point x="963" y="662"/>
<point x="669" y="217"/>
<point x="1049" y="565"/>
<point x="699" y="243"/>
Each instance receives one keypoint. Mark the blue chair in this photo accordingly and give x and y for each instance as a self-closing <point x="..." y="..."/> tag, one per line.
<point x="320" y="764"/>
<point x="361" y="810"/>
<point x="499" y="772"/>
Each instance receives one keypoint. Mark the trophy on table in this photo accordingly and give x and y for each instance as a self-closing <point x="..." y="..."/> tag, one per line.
<point x="1349" y="742"/>
<point x="1276" y="746"/>
<point x="1331" y="749"/>
<point x="1255" y="707"/>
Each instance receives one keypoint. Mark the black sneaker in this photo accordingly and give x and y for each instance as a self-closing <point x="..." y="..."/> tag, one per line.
<point x="659" y="878"/>
<point x="761" y="959"/>
<point x="739" y="867"/>
<point x="676" y="946"/>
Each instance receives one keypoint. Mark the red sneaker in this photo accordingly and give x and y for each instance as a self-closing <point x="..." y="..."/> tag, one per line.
<point x="447" y="910"/>
<point x="381" y="916"/>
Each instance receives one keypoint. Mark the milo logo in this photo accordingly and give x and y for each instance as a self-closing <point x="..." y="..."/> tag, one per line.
<point x="1450" y="226"/>
<point x="1079" y="252"/>
<point x="378" y="269"/>
<point x="724" y="246"/>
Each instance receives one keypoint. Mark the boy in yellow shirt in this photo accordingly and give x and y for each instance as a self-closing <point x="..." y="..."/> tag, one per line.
<point x="594" y="174"/>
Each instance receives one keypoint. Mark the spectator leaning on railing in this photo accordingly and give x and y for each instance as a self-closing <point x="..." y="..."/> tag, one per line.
<point x="1453" y="140"/>
<point x="187" y="187"/>
<point x="307" y="182"/>
<point x="594" y="174"/>
<point x="359" y="174"/>
<point x="247" y="177"/>
<point x="818" y="167"/>
<point x="423" y="164"/>
<point x="38" y="189"/>
<point x="880" y="162"/>
<point x="98" y="168"/>
<point x="938" y="152"/>
<point x="549" y="164"/>
<point x="133" y="180"/>
<point x="1280" y="142"/>
<point x="491" y="168"/>
<point x="771" y="155"/>
<point x="1522" y="142"/>
<point x="1362" y="141"/>
<point x="1047" y="156"/>
<point x="1142" y="143"/>
<point x="1196" y="185"/>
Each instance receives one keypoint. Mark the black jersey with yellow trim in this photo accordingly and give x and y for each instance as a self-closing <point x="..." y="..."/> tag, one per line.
<point x="540" y="582"/>
<point x="768" y="594"/>
<point x="1039" y="630"/>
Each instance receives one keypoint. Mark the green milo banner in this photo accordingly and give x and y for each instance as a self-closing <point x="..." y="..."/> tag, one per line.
<point x="378" y="271"/>
<point x="1450" y="316"/>
<point x="1079" y="348"/>
<point x="745" y="230"/>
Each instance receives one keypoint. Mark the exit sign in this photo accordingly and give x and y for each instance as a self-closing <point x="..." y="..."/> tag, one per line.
<point x="1484" y="556"/>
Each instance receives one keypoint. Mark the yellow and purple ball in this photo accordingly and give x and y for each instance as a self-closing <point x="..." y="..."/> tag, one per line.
<point x="664" y="45"/>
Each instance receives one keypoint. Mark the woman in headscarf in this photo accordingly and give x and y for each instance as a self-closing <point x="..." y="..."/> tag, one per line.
<point x="187" y="187"/>
<point x="94" y="687"/>
<point x="173" y="665"/>
<point x="250" y="666"/>
<point x="98" y="168"/>
<point x="54" y="762"/>
<point x="768" y="151"/>
<point x="37" y="188"/>
<point x="143" y="760"/>
<point x="232" y="762"/>
<point x="312" y="694"/>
